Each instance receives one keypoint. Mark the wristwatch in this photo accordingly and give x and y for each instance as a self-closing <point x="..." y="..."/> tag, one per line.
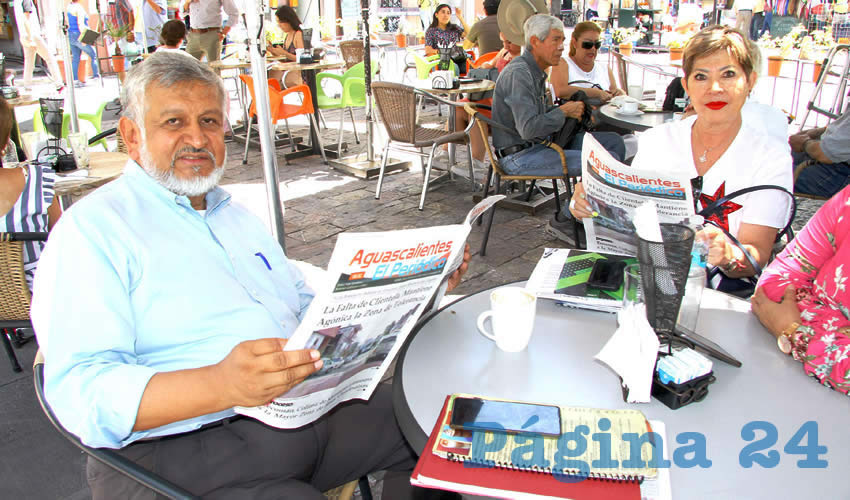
<point x="785" y="340"/>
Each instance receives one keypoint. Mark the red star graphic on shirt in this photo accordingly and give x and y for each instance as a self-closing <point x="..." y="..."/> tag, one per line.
<point x="719" y="215"/>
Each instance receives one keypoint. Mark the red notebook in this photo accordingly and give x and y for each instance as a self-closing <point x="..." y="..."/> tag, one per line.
<point x="433" y="471"/>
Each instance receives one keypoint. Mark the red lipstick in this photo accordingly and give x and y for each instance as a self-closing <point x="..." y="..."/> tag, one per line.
<point x="715" y="105"/>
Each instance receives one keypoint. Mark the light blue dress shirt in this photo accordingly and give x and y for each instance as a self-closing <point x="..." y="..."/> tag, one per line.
<point x="134" y="281"/>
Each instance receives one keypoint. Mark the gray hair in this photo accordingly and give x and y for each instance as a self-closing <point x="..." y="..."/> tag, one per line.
<point x="165" y="69"/>
<point x="540" y="25"/>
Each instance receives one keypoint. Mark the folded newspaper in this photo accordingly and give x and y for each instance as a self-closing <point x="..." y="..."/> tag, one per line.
<point x="562" y="274"/>
<point x="614" y="190"/>
<point x="379" y="284"/>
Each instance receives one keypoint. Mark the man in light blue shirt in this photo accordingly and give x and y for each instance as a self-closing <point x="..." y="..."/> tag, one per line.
<point x="160" y="305"/>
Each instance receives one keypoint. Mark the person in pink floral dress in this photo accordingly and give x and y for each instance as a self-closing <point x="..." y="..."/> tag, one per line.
<point x="803" y="298"/>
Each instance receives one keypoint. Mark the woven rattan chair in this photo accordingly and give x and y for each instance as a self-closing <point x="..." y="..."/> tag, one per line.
<point x="138" y="473"/>
<point x="352" y="52"/>
<point x="501" y="175"/>
<point x="397" y="105"/>
<point x="14" y="292"/>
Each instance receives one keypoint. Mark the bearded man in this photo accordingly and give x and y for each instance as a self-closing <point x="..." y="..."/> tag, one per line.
<point x="160" y="305"/>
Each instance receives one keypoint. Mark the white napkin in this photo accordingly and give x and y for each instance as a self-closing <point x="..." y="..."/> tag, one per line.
<point x="631" y="352"/>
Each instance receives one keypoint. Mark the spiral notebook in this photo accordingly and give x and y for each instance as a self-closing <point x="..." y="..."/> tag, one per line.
<point x="433" y="471"/>
<point x="520" y="453"/>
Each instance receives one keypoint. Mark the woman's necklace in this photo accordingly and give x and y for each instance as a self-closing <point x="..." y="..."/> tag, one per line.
<point x="704" y="156"/>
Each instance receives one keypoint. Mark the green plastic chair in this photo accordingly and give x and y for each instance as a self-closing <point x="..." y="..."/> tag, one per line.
<point x="353" y="83"/>
<point x="424" y="65"/>
<point x="94" y="118"/>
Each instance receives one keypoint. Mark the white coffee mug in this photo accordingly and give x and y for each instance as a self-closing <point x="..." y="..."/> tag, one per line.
<point x="512" y="312"/>
<point x="630" y="107"/>
<point x="636" y="92"/>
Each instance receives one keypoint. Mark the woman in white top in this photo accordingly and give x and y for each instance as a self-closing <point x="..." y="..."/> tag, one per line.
<point x="580" y="66"/>
<point x="726" y="155"/>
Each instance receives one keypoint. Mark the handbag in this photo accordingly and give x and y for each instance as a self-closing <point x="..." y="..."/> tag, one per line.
<point x="745" y="290"/>
<point x="483" y="74"/>
<point x="573" y="126"/>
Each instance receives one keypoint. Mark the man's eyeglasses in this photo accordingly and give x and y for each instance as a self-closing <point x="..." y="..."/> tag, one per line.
<point x="587" y="44"/>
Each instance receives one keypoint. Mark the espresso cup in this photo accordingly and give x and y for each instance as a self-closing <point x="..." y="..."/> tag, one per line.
<point x="511" y="315"/>
<point x="630" y="107"/>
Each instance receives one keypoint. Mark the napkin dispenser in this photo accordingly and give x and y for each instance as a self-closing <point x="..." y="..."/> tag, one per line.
<point x="444" y="80"/>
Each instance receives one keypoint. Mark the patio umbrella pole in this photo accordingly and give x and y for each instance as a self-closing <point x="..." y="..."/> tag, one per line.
<point x="257" y="49"/>
<point x="367" y="168"/>
<point x="367" y="67"/>
<point x="69" y="74"/>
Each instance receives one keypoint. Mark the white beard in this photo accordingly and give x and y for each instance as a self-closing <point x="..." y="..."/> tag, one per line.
<point x="195" y="186"/>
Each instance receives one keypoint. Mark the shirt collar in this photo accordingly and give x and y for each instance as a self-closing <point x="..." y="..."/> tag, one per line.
<point x="215" y="198"/>
<point x="536" y="72"/>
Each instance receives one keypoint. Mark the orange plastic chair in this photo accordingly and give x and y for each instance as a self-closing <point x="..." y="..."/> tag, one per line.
<point x="281" y="110"/>
<point x="489" y="56"/>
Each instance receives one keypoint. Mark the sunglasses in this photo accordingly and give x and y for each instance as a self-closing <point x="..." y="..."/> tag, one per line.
<point x="587" y="44"/>
<point x="696" y="186"/>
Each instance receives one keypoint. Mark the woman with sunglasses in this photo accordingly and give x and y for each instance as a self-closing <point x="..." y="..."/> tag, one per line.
<point x="725" y="154"/>
<point x="443" y="33"/>
<point x="596" y="80"/>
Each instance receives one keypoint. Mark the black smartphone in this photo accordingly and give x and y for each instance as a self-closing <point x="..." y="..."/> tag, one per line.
<point x="606" y="275"/>
<point x="476" y="414"/>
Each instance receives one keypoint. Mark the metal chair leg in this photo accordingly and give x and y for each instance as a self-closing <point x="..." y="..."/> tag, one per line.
<point x="483" y="251"/>
<point x="486" y="188"/>
<point x="318" y="138"/>
<point x="247" y="139"/>
<point x="530" y="191"/>
<point x="322" y="120"/>
<point x="16" y="367"/>
<point x="381" y="172"/>
<point x="289" y="133"/>
<point x="353" y="125"/>
<point x="339" y="136"/>
<point x="471" y="169"/>
<point x="427" y="177"/>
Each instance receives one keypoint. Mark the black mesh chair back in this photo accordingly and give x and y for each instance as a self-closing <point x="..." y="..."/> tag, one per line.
<point x="52" y="112"/>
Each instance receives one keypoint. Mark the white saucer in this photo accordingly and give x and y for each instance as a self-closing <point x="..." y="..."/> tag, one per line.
<point x="636" y="113"/>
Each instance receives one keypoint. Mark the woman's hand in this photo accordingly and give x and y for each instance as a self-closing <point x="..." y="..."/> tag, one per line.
<point x="776" y="316"/>
<point x="618" y="92"/>
<point x="579" y="206"/>
<point x="721" y="251"/>
<point x="603" y="95"/>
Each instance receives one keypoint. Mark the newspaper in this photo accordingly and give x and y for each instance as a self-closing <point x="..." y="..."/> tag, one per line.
<point x="378" y="286"/>
<point x="562" y="275"/>
<point x="614" y="190"/>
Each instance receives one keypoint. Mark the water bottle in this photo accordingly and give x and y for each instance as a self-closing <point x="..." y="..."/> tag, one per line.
<point x="10" y="155"/>
<point x="689" y="311"/>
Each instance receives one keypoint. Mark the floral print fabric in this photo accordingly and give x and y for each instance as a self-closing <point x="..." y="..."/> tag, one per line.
<point x="814" y="263"/>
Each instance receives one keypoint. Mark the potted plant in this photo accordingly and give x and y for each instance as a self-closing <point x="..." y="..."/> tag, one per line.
<point x="822" y="42"/>
<point x="624" y="38"/>
<point x="117" y="33"/>
<point x="327" y="28"/>
<point x="401" y="34"/>
<point x="676" y="43"/>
